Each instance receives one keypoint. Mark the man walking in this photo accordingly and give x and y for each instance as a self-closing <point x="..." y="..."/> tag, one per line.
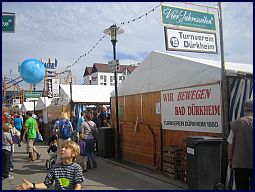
<point x="30" y="130"/>
<point x="240" y="148"/>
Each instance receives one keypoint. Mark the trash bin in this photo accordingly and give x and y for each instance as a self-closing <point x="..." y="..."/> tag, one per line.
<point x="106" y="142"/>
<point x="203" y="162"/>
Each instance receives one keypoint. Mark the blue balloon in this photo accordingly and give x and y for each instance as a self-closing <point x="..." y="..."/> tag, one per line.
<point x="32" y="71"/>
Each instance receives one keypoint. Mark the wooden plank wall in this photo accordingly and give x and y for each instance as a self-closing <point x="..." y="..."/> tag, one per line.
<point x="141" y="144"/>
<point x="53" y="112"/>
<point x="56" y="111"/>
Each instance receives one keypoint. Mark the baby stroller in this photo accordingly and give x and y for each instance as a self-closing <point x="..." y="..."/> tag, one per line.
<point x="52" y="151"/>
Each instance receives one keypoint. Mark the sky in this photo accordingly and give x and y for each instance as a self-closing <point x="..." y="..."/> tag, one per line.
<point x="67" y="30"/>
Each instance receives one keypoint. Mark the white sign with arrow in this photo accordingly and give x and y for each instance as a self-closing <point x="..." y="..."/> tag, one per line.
<point x="113" y="65"/>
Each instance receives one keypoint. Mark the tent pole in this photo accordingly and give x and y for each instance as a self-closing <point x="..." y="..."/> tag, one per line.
<point x="223" y="79"/>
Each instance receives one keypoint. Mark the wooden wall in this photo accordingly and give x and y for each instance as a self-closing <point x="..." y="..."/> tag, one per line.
<point x="140" y="130"/>
<point x="56" y="111"/>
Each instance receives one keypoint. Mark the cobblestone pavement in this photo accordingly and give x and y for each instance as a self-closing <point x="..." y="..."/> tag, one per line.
<point x="109" y="175"/>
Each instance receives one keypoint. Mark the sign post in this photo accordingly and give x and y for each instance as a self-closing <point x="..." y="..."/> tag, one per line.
<point x="113" y="65"/>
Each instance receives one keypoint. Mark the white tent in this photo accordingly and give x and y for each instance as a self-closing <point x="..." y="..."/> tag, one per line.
<point x="89" y="94"/>
<point x="160" y="71"/>
<point x="28" y="106"/>
<point x="42" y="103"/>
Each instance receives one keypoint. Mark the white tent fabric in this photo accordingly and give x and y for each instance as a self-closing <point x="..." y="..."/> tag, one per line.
<point x="42" y="103"/>
<point x="161" y="71"/>
<point x="89" y="94"/>
<point x="28" y="106"/>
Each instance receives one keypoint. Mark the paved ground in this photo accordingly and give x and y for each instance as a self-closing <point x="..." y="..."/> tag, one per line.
<point x="109" y="174"/>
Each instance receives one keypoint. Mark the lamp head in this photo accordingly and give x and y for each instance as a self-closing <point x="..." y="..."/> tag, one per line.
<point x="113" y="31"/>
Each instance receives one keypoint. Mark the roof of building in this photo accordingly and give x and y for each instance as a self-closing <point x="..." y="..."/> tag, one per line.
<point x="87" y="71"/>
<point x="90" y="94"/>
<point x="102" y="67"/>
<point x="28" y="106"/>
<point x="131" y="68"/>
<point x="99" y="67"/>
<point x="161" y="71"/>
<point x="42" y="102"/>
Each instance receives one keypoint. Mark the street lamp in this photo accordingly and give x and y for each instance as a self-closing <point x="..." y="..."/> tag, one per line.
<point x="34" y="100"/>
<point x="113" y="31"/>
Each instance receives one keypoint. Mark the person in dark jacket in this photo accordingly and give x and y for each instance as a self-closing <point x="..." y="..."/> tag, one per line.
<point x="240" y="148"/>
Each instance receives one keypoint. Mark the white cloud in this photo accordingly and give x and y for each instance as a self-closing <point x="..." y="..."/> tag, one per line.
<point x="69" y="29"/>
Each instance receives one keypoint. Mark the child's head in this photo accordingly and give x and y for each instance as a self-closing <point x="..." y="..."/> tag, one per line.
<point x="75" y="149"/>
<point x="6" y="127"/>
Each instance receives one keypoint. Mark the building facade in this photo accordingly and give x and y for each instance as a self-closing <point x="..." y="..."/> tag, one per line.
<point x="100" y="75"/>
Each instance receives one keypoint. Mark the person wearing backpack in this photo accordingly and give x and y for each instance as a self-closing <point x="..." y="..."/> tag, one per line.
<point x="65" y="130"/>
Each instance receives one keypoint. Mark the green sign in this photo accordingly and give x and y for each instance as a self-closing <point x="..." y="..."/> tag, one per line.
<point x="32" y="94"/>
<point x="8" y="23"/>
<point x="187" y="18"/>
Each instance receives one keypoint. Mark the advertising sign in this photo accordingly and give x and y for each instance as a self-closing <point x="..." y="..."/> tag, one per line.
<point x="50" y="93"/>
<point x="8" y="23"/>
<point x="192" y="109"/>
<point x="182" y="40"/>
<point x="176" y="16"/>
<point x="55" y="87"/>
<point x="33" y="94"/>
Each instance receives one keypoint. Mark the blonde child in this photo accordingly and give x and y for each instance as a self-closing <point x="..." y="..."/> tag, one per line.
<point x="6" y="151"/>
<point x="67" y="175"/>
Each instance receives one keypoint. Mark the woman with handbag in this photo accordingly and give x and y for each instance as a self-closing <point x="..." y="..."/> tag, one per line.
<point x="89" y="129"/>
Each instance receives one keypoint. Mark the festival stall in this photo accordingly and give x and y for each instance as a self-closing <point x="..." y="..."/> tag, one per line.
<point x="170" y="97"/>
<point x="76" y="99"/>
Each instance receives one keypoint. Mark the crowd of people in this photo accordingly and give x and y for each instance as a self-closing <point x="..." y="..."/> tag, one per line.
<point x="76" y="145"/>
<point x="17" y="128"/>
<point x="77" y="141"/>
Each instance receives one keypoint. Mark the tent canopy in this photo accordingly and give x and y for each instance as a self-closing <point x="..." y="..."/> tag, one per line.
<point x="90" y="94"/>
<point x="42" y="103"/>
<point x="161" y="71"/>
<point x="28" y="106"/>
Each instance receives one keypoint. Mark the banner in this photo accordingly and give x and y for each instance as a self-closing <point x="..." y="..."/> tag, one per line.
<point x="183" y="17"/>
<point x="192" y="109"/>
<point x="50" y="93"/>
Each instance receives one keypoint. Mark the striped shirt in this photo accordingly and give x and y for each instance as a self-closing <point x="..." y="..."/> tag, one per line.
<point x="65" y="176"/>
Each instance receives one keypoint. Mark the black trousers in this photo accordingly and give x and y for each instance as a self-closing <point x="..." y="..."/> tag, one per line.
<point x="243" y="178"/>
<point x="6" y="155"/>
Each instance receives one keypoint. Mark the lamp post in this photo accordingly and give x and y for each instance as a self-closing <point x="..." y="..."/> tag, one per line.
<point x="113" y="31"/>
<point x="34" y="100"/>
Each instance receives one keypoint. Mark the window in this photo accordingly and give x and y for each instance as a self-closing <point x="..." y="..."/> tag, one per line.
<point x="112" y="84"/>
<point x="101" y="77"/>
<point x="111" y="78"/>
<point x="120" y="77"/>
<point x="105" y="78"/>
<point x="101" y="83"/>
